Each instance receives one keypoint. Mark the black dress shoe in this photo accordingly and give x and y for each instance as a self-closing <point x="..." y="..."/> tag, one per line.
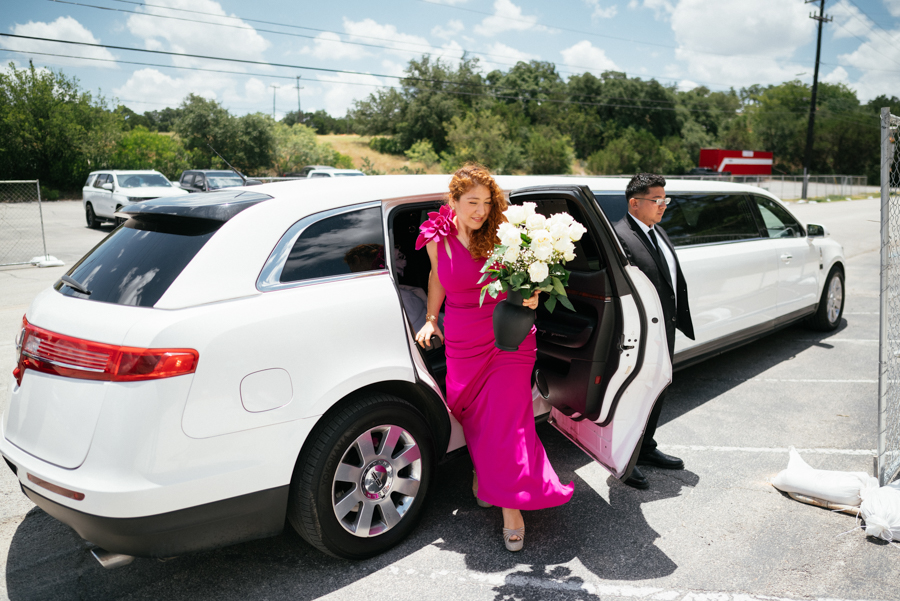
<point x="657" y="458"/>
<point x="637" y="480"/>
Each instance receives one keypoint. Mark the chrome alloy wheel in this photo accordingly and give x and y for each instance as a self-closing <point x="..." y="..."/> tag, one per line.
<point x="835" y="298"/>
<point x="376" y="481"/>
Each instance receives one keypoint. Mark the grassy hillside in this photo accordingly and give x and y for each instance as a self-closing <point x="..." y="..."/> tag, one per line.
<point x="357" y="147"/>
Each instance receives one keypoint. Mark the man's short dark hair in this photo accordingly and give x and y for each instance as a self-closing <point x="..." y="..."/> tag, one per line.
<point x="641" y="183"/>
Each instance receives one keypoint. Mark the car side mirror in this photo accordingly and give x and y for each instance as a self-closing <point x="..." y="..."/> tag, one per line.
<point x="815" y="231"/>
<point x="107" y="186"/>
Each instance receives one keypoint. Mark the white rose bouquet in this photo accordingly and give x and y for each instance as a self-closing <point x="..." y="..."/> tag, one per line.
<point x="531" y="255"/>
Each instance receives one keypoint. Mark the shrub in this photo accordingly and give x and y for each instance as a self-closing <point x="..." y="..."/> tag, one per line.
<point x="548" y="152"/>
<point x="386" y="145"/>
<point x="48" y="194"/>
<point x="422" y="152"/>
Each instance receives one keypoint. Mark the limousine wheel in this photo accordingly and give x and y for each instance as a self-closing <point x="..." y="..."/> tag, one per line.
<point x="831" y="305"/>
<point x="361" y="481"/>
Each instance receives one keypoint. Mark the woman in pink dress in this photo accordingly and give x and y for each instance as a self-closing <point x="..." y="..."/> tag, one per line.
<point x="488" y="390"/>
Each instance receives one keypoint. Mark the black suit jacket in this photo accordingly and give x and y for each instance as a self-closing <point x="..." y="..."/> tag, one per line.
<point x="639" y="251"/>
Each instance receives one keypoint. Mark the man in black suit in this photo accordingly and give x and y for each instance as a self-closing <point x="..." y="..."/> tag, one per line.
<point x="649" y="248"/>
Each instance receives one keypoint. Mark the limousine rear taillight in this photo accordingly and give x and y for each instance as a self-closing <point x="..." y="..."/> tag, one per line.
<point x="51" y="353"/>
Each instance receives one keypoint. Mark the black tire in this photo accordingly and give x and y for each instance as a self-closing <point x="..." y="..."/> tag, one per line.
<point x="117" y="221"/>
<point x="389" y="475"/>
<point x="91" y="217"/>
<point x="831" y="305"/>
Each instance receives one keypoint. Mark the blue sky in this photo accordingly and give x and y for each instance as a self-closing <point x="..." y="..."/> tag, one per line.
<point x="716" y="43"/>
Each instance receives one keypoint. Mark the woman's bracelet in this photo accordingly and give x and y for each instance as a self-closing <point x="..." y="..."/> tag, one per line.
<point x="431" y="318"/>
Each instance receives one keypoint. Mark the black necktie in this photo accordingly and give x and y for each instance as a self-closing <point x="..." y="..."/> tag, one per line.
<point x="656" y="247"/>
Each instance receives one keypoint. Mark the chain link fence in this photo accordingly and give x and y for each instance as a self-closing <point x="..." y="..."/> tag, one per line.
<point x="790" y="187"/>
<point x="889" y="329"/>
<point x="22" y="225"/>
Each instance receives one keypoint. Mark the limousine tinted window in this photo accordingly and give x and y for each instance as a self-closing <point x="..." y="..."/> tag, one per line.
<point x="779" y="223"/>
<point x="708" y="218"/>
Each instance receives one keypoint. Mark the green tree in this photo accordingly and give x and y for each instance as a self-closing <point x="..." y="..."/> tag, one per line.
<point x="203" y="123"/>
<point x="296" y="146"/>
<point x="144" y="149"/>
<point x="548" y="152"/>
<point x="635" y="151"/>
<point x="51" y="129"/>
<point x="254" y="144"/>
<point x="482" y="137"/>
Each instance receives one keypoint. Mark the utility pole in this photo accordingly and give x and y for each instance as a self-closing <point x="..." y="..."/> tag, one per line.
<point x="821" y="18"/>
<point x="274" y="87"/>
<point x="299" y="110"/>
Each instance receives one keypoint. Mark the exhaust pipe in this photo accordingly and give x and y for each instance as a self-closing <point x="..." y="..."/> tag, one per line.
<point x="111" y="560"/>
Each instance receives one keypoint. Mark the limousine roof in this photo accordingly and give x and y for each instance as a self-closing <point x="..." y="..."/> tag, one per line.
<point x="351" y="190"/>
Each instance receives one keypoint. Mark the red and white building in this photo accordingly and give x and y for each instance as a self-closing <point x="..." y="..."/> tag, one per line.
<point x="738" y="162"/>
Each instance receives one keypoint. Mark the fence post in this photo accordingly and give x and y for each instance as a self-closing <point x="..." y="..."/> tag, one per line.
<point x="888" y="400"/>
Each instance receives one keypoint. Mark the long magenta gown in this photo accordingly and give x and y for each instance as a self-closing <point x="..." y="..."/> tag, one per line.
<point x="489" y="392"/>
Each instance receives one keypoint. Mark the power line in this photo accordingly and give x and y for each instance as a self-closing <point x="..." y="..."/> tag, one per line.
<point x="429" y="47"/>
<point x="321" y="69"/>
<point x="843" y="118"/>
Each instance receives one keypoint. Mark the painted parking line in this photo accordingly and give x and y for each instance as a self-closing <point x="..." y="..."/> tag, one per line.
<point x="801" y="380"/>
<point x="703" y="448"/>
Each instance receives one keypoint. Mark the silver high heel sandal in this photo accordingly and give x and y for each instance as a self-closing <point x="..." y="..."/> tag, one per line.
<point x="475" y="493"/>
<point x="514" y="545"/>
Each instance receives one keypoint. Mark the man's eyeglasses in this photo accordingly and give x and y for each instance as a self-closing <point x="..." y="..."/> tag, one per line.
<point x="659" y="201"/>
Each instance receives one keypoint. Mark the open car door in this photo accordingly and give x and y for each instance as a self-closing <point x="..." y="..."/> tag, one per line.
<point x="603" y="367"/>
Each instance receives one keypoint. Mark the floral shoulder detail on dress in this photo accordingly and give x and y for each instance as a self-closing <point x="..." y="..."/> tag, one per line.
<point x="438" y="226"/>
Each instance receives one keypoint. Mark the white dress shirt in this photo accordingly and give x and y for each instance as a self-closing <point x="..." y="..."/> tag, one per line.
<point x="663" y="247"/>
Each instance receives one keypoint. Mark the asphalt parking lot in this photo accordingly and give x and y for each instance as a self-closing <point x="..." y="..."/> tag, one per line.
<point x="716" y="531"/>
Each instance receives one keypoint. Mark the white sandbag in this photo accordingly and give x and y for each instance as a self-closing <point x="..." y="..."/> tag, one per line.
<point x="880" y="509"/>
<point x="843" y="488"/>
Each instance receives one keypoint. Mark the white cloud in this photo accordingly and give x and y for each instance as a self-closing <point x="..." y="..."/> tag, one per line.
<point x="663" y="9"/>
<point x="340" y="91"/>
<point x="893" y="7"/>
<point x="850" y="20"/>
<point x="449" y="31"/>
<point x="506" y="55"/>
<point x="737" y="43"/>
<point x="686" y="85"/>
<point x="600" y="12"/>
<point x="191" y="38"/>
<point x="404" y="45"/>
<point x="878" y="61"/>
<point x="585" y="55"/>
<point x="838" y="75"/>
<point x="633" y="4"/>
<point x="507" y="17"/>
<point x="329" y="45"/>
<point x="64" y="28"/>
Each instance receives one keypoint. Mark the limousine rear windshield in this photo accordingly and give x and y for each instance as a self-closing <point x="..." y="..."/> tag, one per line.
<point x="137" y="262"/>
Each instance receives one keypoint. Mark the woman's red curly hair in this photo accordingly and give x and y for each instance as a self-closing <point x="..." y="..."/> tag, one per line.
<point x="482" y="240"/>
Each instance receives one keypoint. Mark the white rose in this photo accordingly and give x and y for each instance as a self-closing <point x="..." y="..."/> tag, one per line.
<point x="576" y="231"/>
<point x="569" y="256"/>
<point x="529" y="208"/>
<point x="541" y="237"/>
<point x="538" y="272"/>
<point x="559" y="231"/>
<point x="512" y="253"/>
<point x="515" y="214"/>
<point x="510" y="237"/>
<point x="564" y="246"/>
<point x="561" y="218"/>
<point x="535" y="222"/>
<point x="542" y="253"/>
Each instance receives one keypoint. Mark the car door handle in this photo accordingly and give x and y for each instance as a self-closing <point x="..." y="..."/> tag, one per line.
<point x="786" y="257"/>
